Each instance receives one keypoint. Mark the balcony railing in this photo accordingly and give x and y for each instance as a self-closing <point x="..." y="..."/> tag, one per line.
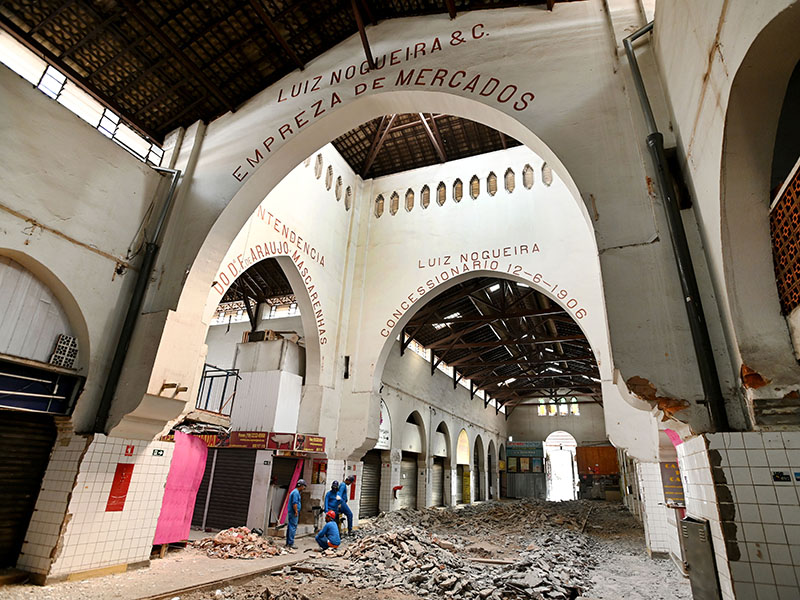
<point x="217" y="390"/>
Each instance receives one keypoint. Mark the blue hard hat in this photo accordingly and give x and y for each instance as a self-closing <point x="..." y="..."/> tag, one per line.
<point x="335" y="485"/>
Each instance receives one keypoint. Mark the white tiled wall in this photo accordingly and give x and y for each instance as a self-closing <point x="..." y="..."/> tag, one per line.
<point x="51" y="505"/>
<point x="95" y="538"/>
<point x="701" y="502"/>
<point x="760" y="516"/>
<point x="654" y="510"/>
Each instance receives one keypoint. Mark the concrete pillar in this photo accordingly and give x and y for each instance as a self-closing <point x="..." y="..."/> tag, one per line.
<point x="654" y="511"/>
<point x="451" y="489"/>
<point x="390" y="477"/>
<point x="423" y="489"/>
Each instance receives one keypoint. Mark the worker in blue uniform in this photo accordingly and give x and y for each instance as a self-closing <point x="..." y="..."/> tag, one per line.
<point x="333" y="499"/>
<point x="328" y="536"/>
<point x="343" y="508"/>
<point x="293" y="516"/>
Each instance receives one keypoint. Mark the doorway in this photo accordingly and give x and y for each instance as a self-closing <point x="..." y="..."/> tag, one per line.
<point x="562" y="479"/>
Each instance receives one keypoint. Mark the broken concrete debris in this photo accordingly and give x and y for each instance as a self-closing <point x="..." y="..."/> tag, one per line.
<point x="238" y="542"/>
<point x="398" y="551"/>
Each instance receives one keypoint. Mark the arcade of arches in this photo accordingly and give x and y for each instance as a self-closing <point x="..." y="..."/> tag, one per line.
<point x="436" y="247"/>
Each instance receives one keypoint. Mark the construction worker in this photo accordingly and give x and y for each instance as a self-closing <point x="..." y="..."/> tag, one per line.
<point x="333" y="499"/>
<point x="343" y="508"/>
<point x="293" y="516"/>
<point x="328" y="537"/>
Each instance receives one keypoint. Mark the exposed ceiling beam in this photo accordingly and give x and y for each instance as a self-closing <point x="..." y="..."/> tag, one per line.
<point x="519" y="314"/>
<point x="465" y="364"/>
<point x="451" y="8"/>
<point x="436" y="145"/>
<point x="526" y="391"/>
<point x="363" y="33"/>
<point x="520" y="376"/>
<point x="377" y="142"/>
<point x="551" y="4"/>
<point x="270" y="24"/>
<point x="515" y="342"/>
<point x="179" y="54"/>
<point x="368" y="11"/>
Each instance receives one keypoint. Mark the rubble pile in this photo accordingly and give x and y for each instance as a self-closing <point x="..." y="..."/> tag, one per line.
<point x="238" y="542"/>
<point x="518" y="516"/>
<point x="416" y="562"/>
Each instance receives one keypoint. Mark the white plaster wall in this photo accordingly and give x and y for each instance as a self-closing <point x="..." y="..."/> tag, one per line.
<point x="222" y="341"/>
<point x="579" y="122"/>
<point x="727" y="156"/>
<point x="59" y="171"/>
<point x="526" y="424"/>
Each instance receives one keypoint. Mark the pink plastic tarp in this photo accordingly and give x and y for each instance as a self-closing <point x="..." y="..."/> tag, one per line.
<point x="298" y="470"/>
<point x="180" y="492"/>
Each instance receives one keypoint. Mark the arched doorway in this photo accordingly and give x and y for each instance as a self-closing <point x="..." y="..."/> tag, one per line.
<point x="462" y="485"/>
<point x="412" y="462"/>
<point x="440" y="466"/>
<point x="753" y="161"/>
<point x="479" y="470"/>
<point x="39" y="379"/>
<point x="562" y="479"/>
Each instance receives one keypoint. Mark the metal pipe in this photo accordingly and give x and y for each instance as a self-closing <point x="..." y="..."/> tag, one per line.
<point x="134" y="307"/>
<point x="701" y="339"/>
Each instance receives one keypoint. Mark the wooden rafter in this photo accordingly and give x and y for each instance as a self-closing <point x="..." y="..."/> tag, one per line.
<point x="451" y="8"/>
<point x="436" y="143"/>
<point x="377" y="142"/>
<point x="363" y="33"/>
<point x="270" y="25"/>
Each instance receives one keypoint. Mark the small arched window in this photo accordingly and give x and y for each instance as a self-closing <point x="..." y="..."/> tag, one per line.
<point x="409" y="200"/>
<point x="394" y="203"/>
<point x="474" y="187"/>
<point x="458" y="190"/>
<point x="441" y="194"/>
<point x="510" y="184"/>
<point x="318" y="166"/>
<point x="527" y="177"/>
<point x="348" y="198"/>
<point x="307" y="162"/>
<point x="547" y="175"/>
<point x="329" y="177"/>
<point x="491" y="184"/>
<point x="425" y="196"/>
<point x="379" y="201"/>
<point x="338" y="189"/>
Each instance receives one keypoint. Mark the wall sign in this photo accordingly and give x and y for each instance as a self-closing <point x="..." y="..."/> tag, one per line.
<point x="673" y="485"/>
<point x="119" y="487"/>
<point x="280" y="441"/>
<point x="309" y="443"/>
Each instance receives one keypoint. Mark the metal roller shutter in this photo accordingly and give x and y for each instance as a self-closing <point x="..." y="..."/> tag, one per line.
<point x="370" y="484"/>
<point x="26" y="440"/>
<point x="230" y="489"/>
<point x="202" y="492"/>
<point x="459" y="484"/>
<point x="408" y="479"/>
<point x="437" y="482"/>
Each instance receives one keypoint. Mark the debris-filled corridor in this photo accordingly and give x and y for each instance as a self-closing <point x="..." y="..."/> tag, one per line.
<point x="496" y="550"/>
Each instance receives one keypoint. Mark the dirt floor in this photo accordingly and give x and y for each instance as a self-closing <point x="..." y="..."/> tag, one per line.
<point x="490" y="551"/>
